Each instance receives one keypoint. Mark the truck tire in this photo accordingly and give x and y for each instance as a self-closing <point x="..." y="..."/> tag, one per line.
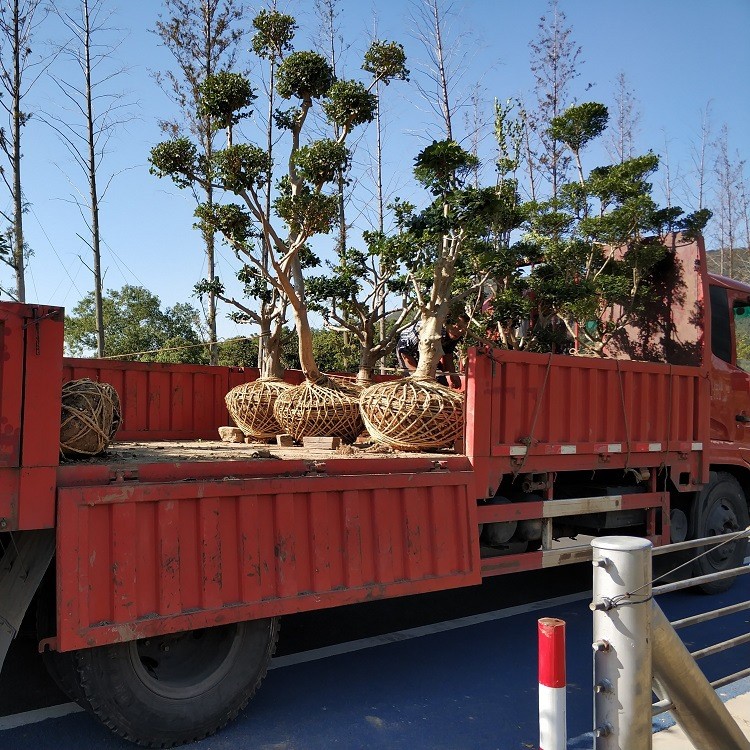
<point x="61" y="667"/>
<point x="177" y="688"/>
<point x="721" y="508"/>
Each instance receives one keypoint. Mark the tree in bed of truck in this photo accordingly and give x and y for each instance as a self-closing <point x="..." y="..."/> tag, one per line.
<point x="159" y="613"/>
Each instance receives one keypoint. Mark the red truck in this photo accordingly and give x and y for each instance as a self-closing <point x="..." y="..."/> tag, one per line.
<point x="159" y="571"/>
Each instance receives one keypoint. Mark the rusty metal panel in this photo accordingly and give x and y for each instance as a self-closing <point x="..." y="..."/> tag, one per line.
<point x="139" y="559"/>
<point x="563" y="405"/>
<point x="161" y="401"/>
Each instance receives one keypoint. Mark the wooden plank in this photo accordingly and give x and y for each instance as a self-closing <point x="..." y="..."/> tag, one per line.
<point x="325" y="443"/>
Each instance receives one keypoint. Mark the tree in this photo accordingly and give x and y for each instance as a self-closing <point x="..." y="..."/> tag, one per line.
<point x="599" y="238"/>
<point x="203" y="36"/>
<point x="555" y="58"/>
<point x="242" y="169"/>
<point x="353" y="294"/>
<point x="91" y="115"/>
<point x="19" y="21"/>
<point x="434" y="239"/>
<point x="624" y="128"/>
<point x="137" y="328"/>
<point x="728" y="170"/>
<point x="274" y="32"/>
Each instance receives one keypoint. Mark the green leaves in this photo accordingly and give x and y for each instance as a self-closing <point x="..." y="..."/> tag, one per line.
<point x="320" y="161"/>
<point x="225" y="98"/>
<point x="304" y="75"/>
<point x="308" y="212"/>
<point x="274" y="34"/>
<point x="386" y="61"/>
<point x="231" y="220"/>
<point x="579" y="125"/>
<point x="177" y="159"/>
<point x="443" y="166"/>
<point x="349" y="104"/>
<point x="242" y="167"/>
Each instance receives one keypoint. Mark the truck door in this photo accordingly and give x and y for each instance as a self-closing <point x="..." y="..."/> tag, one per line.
<point x="730" y="381"/>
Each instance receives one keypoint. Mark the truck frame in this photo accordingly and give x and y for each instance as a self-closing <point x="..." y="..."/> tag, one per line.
<point x="158" y="572"/>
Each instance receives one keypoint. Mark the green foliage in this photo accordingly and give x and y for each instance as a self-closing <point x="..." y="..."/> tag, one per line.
<point x="231" y="220"/>
<point x="177" y="159"/>
<point x="241" y="167"/>
<point x="304" y="75"/>
<point x="225" y="98"/>
<point x="135" y="322"/>
<point x="238" y="352"/>
<point x="320" y="161"/>
<point x="386" y="61"/>
<point x="443" y="166"/>
<point x="349" y="104"/>
<point x="308" y="212"/>
<point x="579" y="125"/>
<point x="599" y="238"/>
<point x="335" y="351"/>
<point x="274" y="34"/>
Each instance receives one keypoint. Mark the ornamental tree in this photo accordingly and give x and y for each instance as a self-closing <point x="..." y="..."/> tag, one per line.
<point x="433" y="241"/>
<point x="600" y="238"/>
<point x="301" y="207"/>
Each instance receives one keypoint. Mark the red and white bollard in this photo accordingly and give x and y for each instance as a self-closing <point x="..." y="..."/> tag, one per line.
<point x="553" y="733"/>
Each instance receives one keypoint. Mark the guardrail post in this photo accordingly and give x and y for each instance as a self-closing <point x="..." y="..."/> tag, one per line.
<point x="552" y="705"/>
<point x="622" y="643"/>
<point x="698" y="710"/>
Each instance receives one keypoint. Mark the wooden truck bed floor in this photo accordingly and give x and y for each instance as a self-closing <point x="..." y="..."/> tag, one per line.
<point x="127" y="452"/>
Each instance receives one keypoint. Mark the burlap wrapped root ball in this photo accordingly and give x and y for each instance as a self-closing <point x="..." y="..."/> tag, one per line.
<point x="251" y="407"/>
<point x="413" y="414"/>
<point x="90" y="417"/>
<point x="322" y="409"/>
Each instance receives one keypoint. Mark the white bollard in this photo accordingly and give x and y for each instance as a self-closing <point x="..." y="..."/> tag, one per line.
<point x="552" y="707"/>
<point x="622" y="643"/>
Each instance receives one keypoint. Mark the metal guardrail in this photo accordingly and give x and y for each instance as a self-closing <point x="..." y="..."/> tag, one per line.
<point x="634" y="641"/>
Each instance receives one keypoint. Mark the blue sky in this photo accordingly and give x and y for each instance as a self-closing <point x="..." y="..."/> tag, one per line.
<point x="677" y="56"/>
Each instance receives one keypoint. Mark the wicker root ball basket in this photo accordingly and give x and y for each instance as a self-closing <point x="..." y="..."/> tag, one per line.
<point x="320" y="409"/>
<point x="90" y="417"/>
<point x="251" y="407"/>
<point x="413" y="414"/>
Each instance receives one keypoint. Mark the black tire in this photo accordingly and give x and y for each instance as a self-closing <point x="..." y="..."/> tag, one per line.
<point x="721" y="508"/>
<point x="62" y="667"/>
<point x="177" y="688"/>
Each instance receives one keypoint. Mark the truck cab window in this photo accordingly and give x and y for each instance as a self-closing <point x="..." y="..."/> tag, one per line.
<point x="721" y="334"/>
<point x="741" y="312"/>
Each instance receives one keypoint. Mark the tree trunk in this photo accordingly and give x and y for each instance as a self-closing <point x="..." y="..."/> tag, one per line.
<point x="270" y="364"/>
<point x="94" y="195"/>
<point x="18" y="240"/>
<point x="430" y="347"/>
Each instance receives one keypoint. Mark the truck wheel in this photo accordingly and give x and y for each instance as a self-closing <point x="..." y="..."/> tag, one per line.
<point x="720" y="509"/>
<point x="61" y="667"/>
<point x="171" y="689"/>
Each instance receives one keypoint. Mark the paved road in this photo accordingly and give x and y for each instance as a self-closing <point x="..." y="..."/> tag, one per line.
<point x="467" y="684"/>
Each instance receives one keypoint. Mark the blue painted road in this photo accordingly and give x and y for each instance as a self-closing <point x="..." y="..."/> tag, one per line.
<point x="472" y="686"/>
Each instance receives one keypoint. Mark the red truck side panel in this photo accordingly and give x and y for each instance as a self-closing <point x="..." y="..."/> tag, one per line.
<point x="31" y="337"/>
<point x="557" y="412"/>
<point x="136" y="560"/>
<point x="169" y="401"/>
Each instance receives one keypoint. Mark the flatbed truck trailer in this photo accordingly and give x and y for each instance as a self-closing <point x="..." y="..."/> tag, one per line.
<point x="159" y="571"/>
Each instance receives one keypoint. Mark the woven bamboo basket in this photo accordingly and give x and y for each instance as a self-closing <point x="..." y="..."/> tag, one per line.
<point x="413" y="414"/>
<point x="251" y="407"/>
<point x="90" y="417"/>
<point x="320" y="409"/>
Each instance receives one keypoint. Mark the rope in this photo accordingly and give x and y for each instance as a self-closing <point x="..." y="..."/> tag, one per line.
<point x="624" y="414"/>
<point x="617" y="601"/>
<point x="530" y="439"/>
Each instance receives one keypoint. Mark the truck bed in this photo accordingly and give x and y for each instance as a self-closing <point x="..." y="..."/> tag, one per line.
<point x="165" y="451"/>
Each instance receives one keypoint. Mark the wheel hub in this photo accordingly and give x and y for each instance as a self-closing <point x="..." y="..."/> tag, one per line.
<point x="185" y="665"/>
